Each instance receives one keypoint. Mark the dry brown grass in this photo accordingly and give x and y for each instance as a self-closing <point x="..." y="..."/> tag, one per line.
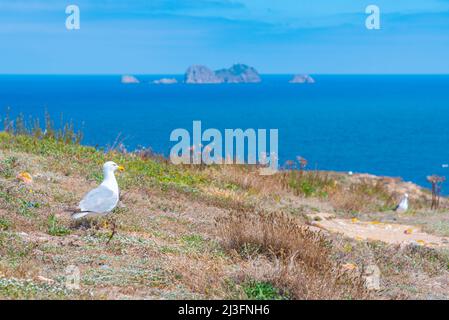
<point x="246" y="177"/>
<point x="305" y="268"/>
<point x="362" y="197"/>
<point x="201" y="274"/>
<point x="346" y="195"/>
<point x="300" y="183"/>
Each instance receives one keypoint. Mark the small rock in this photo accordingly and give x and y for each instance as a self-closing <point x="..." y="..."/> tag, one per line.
<point x="372" y="277"/>
<point x="166" y="81"/>
<point x="349" y="266"/>
<point x="46" y="280"/>
<point x="121" y="205"/>
<point x="23" y="234"/>
<point x="302" y="78"/>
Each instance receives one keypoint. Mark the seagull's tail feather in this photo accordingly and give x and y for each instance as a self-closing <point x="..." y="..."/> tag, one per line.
<point x="79" y="215"/>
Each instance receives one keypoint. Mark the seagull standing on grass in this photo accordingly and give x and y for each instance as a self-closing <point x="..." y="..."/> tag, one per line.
<point x="103" y="199"/>
<point x="403" y="205"/>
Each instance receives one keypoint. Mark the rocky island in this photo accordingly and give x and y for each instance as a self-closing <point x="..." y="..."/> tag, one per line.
<point x="238" y="73"/>
<point x="165" y="81"/>
<point x="128" y="79"/>
<point x="302" y="78"/>
<point x="198" y="74"/>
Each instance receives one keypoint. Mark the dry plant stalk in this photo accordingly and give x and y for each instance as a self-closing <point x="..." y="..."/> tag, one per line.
<point x="437" y="183"/>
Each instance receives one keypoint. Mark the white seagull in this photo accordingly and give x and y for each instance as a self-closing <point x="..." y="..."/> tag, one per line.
<point x="103" y="199"/>
<point x="403" y="205"/>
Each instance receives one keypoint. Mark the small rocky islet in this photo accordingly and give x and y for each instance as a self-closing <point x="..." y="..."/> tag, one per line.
<point x="302" y="78"/>
<point x="165" y="81"/>
<point x="129" y="79"/>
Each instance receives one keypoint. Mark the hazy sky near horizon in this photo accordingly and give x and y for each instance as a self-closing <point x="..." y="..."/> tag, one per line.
<point x="276" y="36"/>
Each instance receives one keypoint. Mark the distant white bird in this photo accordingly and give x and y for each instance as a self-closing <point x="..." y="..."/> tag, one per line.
<point x="103" y="199"/>
<point x="403" y="205"/>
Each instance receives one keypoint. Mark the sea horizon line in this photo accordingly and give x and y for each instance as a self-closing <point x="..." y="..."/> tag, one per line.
<point x="263" y="74"/>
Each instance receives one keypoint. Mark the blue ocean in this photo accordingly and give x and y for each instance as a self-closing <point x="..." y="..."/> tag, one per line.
<point x="385" y="125"/>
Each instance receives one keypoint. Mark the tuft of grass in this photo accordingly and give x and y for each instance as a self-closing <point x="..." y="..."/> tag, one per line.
<point x="54" y="228"/>
<point x="25" y="207"/>
<point x="194" y="241"/>
<point x="309" y="183"/>
<point x="256" y="290"/>
<point x="303" y="259"/>
<point x="5" y="224"/>
<point x="438" y="227"/>
<point x="365" y="196"/>
<point x="7" y="167"/>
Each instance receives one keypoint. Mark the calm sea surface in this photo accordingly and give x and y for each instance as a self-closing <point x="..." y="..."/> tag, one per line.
<point x="385" y="125"/>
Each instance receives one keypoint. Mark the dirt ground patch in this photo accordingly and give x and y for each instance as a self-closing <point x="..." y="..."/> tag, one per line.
<point x="391" y="233"/>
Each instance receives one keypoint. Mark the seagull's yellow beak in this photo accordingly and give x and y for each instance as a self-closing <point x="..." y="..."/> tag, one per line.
<point x="121" y="168"/>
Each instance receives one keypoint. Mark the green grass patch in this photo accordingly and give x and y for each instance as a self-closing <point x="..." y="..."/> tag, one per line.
<point x="5" y="224"/>
<point x="13" y="249"/>
<point x="7" y="166"/>
<point x="54" y="228"/>
<point x="256" y="290"/>
<point x="194" y="241"/>
<point x="309" y="183"/>
<point x="13" y="201"/>
<point x="88" y="160"/>
<point x="25" y="207"/>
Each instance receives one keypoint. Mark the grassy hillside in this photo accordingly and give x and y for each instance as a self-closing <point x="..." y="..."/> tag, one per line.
<point x="203" y="232"/>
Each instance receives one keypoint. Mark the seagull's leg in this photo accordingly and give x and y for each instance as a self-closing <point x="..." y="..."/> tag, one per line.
<point x="114" y="226"/>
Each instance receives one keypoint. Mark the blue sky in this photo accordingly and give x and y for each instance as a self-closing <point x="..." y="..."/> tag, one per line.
<point x="276" y="36"/>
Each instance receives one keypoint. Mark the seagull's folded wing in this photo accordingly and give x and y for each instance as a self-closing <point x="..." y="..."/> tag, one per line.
<point x="99" y="200"/>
